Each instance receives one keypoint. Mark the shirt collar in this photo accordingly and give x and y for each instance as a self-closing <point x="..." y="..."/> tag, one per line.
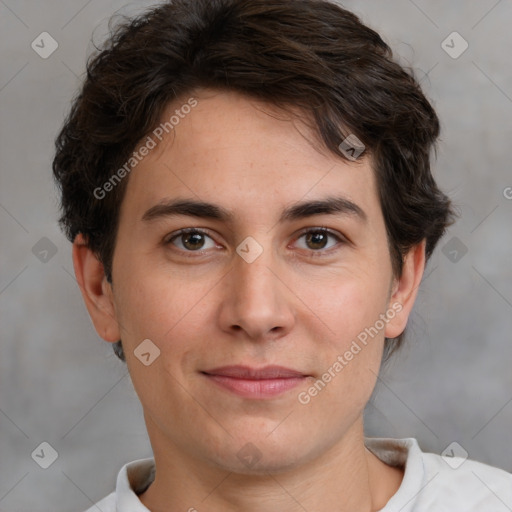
<point x="133" y="479"/>
<point x="405" y="453"/>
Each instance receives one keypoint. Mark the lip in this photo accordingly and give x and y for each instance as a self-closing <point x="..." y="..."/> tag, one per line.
<point x="256" y="383"/>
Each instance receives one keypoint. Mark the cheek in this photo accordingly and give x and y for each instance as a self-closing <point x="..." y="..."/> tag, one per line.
<point x="351" y="358"/>
<point x="166" y="307"/>
<point x="157" y="308"/>
<point x="146" y="307"/>
<point x="345" y="305"/>
<point x="353" y="333"/>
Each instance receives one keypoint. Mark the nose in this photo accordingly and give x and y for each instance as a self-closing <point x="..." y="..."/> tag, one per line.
<point x="256" y="302"/>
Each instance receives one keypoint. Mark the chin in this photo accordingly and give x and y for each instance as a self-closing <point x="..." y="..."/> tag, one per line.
<point x="259" y="454"/>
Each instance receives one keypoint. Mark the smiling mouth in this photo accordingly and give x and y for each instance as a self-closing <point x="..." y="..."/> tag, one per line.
<point x="254" y="383"/>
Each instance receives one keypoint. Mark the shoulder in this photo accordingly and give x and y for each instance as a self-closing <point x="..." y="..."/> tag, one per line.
<point x="442" y="483"/>
<point x="107" y="504"/>
<point x="456" y="480"/>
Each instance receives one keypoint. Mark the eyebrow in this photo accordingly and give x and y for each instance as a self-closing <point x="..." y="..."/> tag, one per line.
<point x="192" y="208"/>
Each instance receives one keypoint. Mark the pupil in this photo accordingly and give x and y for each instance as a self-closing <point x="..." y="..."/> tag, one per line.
<point x="195" y="240"/>
<point x="317" y="239"/>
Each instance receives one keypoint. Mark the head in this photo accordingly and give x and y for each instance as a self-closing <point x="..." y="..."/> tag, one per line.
<point x="252" y="109"/>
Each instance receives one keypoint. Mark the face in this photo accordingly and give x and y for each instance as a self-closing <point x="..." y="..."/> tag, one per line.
<point x="284" y="262"/>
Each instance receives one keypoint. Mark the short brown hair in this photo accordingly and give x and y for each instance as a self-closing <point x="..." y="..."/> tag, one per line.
<point x="311" y="55"/>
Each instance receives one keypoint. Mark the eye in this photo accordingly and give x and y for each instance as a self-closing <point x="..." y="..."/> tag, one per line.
<point x="191" y="240"/>
<point x="317" y="239"/>
<point x="196" y="240"/>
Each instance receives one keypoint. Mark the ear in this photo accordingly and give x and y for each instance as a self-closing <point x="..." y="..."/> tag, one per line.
<point x="96" y="290"/>
<point x="405" y="289"/>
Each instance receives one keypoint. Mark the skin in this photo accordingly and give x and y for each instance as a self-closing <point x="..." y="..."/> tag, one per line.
<point x="300" y="304"/>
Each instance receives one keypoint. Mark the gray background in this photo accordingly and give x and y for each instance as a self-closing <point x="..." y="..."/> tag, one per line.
<point x="61" y="384"/>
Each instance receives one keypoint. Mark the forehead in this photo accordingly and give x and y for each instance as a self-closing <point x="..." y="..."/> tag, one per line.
<point x="248" y="156"/>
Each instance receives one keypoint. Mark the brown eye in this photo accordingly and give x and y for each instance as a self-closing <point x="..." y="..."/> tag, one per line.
<point x="318" y="239"/>
<point x="191" y="240"/>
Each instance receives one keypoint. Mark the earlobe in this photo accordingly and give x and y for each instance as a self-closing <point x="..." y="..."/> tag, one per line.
<point x="405" y="290"/>
<point x="96" y="291"/>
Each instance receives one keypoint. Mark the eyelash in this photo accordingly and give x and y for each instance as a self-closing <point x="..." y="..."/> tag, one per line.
<point x="314" y="254"/>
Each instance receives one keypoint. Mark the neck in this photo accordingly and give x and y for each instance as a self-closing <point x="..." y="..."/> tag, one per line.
<point x="344" y="478"/>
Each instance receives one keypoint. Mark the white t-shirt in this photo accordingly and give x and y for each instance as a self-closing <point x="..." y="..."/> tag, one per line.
<point x="431" y="483"/>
